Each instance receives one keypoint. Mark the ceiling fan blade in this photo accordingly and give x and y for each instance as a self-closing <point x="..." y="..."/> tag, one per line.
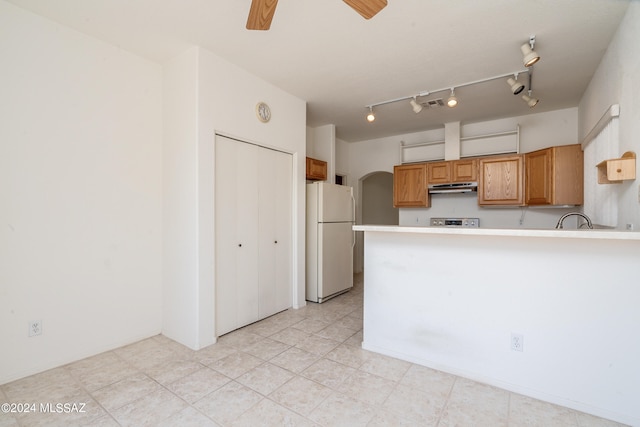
<point x="261" y="14"/>
<point x="367" y="8"/>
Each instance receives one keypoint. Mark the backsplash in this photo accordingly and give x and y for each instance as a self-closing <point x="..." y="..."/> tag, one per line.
<point x="466" y="205"/>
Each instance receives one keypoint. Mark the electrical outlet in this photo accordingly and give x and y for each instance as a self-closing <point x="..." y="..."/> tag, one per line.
<point x="517" y="342"/>
<point x="35" y="328"/>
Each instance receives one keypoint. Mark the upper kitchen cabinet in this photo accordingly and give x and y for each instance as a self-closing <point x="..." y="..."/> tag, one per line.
<point x="452" y="171"/>
<point x="410" y="186"/>
<point x="464" y="170"/>
<point x="316" y="169"/>
<point x="501" y="181"/>
<point x="555" y="176"/>
<point x="439" y="172"/>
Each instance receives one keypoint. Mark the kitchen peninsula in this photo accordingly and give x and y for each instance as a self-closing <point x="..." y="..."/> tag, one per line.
<point x="455" y="300"/>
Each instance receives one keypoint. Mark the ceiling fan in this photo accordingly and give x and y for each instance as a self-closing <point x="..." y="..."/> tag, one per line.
<point x="261" y="12"/>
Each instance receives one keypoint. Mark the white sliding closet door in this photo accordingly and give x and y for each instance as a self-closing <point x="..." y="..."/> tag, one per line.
<point x="226" y="239"/>
<point x="275" y="231"/>
<point x="247" y="230"/>
<point x="236" y="234"/>
<point x="253" y="202"/>
<point x="284" y="226"/>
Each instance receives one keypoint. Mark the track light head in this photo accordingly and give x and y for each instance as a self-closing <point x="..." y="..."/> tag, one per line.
<point x="370" y="116"/>
<point x="416" y="107"/>
<point x="516" y="86"/>
<point x="531" y="102"/>
<point x="530" y="56"/>
<point x="452" y="101"/>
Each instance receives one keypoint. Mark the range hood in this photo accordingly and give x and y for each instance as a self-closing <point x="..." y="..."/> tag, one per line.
<point x="455" y="187"/>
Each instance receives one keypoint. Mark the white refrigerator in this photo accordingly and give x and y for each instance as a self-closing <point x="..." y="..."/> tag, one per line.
<point x="330" y="240"/>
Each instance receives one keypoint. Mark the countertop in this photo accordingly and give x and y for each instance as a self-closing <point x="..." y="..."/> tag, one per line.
<point x="601" y="234"/>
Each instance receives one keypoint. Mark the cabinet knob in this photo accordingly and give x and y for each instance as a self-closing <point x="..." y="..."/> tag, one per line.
<point x="618" y="170"/>
<point x="239" y="245"/>
<point x="275" y="241"/>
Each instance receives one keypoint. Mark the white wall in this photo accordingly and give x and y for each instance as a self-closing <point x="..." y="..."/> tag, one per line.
<point x="617" y="81"/>
<point x="222" y="100"/>
<point x="321" y="145"/>
<point x="180" y="199"/>
<point x="342" y="160"/>
<point x="80" y="186"/>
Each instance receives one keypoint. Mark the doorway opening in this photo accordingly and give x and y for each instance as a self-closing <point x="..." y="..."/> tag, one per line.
<point x="377" y="199"/>
<point x="376" y="207"/>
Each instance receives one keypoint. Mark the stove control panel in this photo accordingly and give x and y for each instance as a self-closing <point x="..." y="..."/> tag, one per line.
<point x="456" y="222"/>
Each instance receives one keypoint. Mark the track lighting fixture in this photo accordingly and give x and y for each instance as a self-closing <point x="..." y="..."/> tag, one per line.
<point x="370" y="116"/>
<point x="416" y="107"/>
<point x="530" y="56"/>
<point x="515" y="85"/>
<point x="531" y="102"/>
<point x="452" y="101"/>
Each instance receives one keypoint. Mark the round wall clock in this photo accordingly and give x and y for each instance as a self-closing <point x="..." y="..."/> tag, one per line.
<point x="263" y="112"/>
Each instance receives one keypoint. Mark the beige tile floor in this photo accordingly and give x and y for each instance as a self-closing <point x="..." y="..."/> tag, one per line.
<point x="298" y="368"/>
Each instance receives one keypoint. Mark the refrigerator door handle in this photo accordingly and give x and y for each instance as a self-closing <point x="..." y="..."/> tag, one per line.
<point x="353" y="218"/>
<point x="353" y="205"/>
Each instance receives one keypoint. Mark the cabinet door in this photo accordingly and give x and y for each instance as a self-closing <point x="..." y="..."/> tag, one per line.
<point x="464" y="170"/>
<point x="316" y="169"/>
<point x="501" y="181"/>
<point x="439" y="173"/>
<point x="568" y="175"/>
<point x="410" y="186"/>
<point x="555" y="176"/>
<point x="539" y="185"/>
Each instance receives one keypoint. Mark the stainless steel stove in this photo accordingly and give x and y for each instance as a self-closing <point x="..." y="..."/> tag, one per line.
<point x="456" y="222"/>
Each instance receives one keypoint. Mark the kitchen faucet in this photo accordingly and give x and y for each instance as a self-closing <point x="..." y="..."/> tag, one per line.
<point x="562" y="218"/>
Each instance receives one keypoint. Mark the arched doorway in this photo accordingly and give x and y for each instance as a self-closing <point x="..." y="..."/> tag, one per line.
<point x="377" y="199"/>
<point x="376" y="207"/>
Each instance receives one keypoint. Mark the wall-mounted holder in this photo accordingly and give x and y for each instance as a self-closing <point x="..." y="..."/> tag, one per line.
<point x="614" y="171"/>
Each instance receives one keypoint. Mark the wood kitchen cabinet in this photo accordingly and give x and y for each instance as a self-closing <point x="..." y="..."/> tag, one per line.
<point x="464" y="170"/>
<point x="410" y="186"/>
<point x="501" y="181"/>
<point x="555" y="176"/>
<point x="438" y="172"/>
<point x="316" y="169"/>
<point x="452" y="171"/>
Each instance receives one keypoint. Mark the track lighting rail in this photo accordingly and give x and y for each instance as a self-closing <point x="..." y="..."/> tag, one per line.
<point x="445" y="89"/>
<point x="529" y="57"/>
